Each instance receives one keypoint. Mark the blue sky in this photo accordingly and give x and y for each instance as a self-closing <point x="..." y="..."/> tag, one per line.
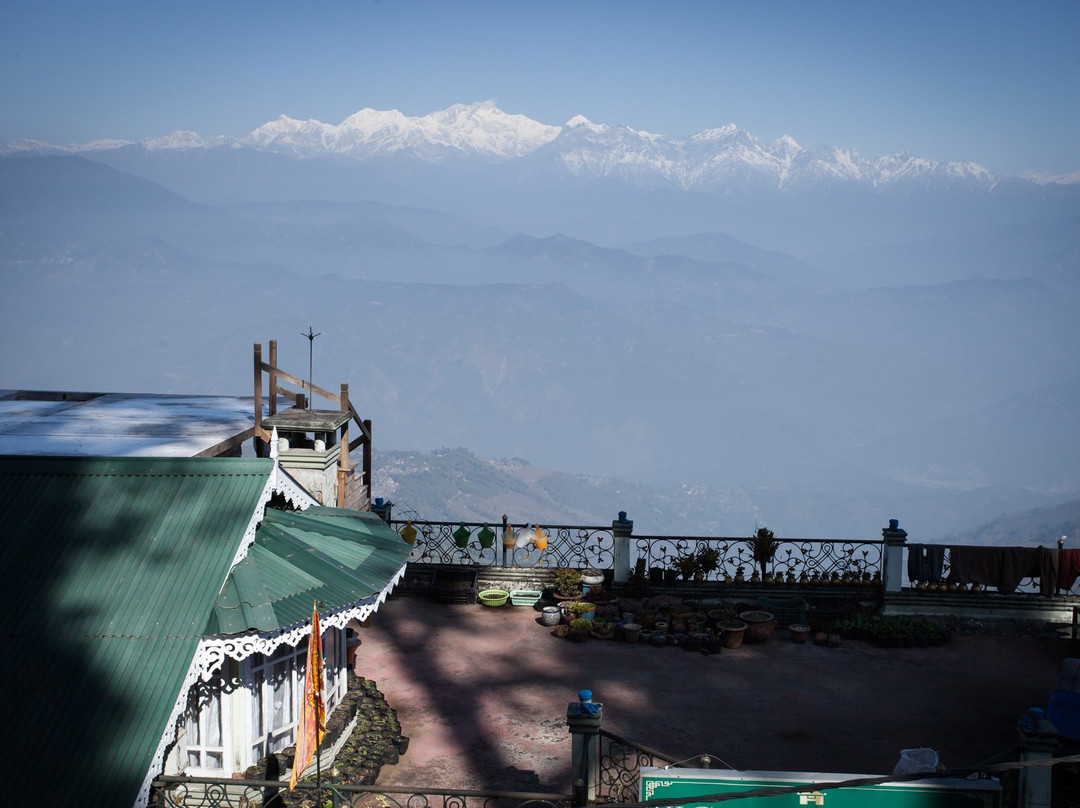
<point x="993" y="82"/>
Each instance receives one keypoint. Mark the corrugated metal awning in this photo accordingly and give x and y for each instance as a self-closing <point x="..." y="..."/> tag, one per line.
<point x="334" y="556"/>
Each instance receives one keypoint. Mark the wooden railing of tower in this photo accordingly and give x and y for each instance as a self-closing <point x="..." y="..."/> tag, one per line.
<point x="352" y="488"/>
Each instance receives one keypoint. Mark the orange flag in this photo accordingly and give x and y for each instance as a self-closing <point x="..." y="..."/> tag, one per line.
<point x="312" y="725"/>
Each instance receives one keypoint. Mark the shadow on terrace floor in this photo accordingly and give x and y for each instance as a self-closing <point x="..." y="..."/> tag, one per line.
<point x="482" y="693"/>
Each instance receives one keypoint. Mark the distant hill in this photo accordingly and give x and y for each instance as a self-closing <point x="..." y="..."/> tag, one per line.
<point x="1038" y="527"/>
<point x="448" y="485"/>
<point x="915" y="359"/>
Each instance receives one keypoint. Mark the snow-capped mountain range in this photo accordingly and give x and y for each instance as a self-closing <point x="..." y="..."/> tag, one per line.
<point x="706" y="161"/>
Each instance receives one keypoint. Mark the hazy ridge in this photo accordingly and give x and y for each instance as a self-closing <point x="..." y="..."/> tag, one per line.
<point x="819" y="358"/>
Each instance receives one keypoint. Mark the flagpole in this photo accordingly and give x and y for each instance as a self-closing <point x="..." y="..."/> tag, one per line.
<point x="311" y="721"/>
<point x="318" y="740"/>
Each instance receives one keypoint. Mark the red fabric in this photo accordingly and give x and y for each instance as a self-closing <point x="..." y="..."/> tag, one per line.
<point x="1068" y="569"/>
<point x="312" y="726"/>
<point x="1004" y="567"/>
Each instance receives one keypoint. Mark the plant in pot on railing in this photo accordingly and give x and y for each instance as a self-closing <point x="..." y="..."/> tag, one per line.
<point x="686" y="565"/>
<point x="567" y="583"/>
<point x="763" y="545"/>
<point x="708" y="559"/>
<point x="637" y="582"/>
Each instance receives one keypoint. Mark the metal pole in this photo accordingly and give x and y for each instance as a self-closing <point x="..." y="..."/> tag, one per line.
<point x="311" y="353"/>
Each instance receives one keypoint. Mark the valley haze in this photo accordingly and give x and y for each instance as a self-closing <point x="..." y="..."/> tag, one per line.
<point x="710" y="332"/>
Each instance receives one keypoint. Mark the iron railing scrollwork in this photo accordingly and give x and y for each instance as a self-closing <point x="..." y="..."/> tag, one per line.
<point x="482" y="544"/>
<point x="801" y="561"/>
<point x="206" y="792"/>
<point x="619" y="763"/>
<point x="805" y="561"/>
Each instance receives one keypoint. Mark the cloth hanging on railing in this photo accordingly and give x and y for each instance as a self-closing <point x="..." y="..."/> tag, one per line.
<point x="1068" y="569"/>
<point x="1004" y="567"/>
<point x="925" y="562"/>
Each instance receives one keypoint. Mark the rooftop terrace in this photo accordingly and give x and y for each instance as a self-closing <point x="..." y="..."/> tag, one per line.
<point x="483" y="692"/>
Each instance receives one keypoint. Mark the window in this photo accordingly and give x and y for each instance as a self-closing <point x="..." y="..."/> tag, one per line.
<point x="204" y="722"/>
<point x="336" y="678"/>
<point x="273" y="686"/>
<point x="275" y="683"/>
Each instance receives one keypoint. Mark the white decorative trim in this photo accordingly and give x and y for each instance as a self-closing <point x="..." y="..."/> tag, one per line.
<point x="168" y="738"/>
<point x="213" y="651"/>
<point x="652" y="785"/>
<point x="279" y="482"/>
<point x="285" y="485"/>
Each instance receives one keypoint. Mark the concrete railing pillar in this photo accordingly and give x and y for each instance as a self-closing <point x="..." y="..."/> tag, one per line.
<point x="621" y="530"/>
<point x="1038" y="741"/>
<point x="583" y="719"/>
<point x="892" y="573"/>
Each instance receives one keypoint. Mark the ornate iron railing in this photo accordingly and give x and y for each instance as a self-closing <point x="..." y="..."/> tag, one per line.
<point x="805" y="561"/>
<point x="619" y="762"/>
<point x="207" y="792"/>
<point x="484" y="545"/>
<point x="668" y="559"/>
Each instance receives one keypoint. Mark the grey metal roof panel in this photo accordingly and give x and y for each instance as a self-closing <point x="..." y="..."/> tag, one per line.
<point x="118" y="424"/>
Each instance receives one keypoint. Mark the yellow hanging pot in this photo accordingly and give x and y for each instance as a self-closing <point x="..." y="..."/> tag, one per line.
<point x="408" y="533"/>
<point x="540" y="538"/>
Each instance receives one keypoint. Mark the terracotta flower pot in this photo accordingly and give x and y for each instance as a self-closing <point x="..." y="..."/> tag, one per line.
<point x="759" y="625"/>
<point x="732" y="634"/>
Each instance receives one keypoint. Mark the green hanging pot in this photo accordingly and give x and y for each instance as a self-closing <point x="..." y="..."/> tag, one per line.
<point x="486" y="536"/>
<point x="461" y="536"/>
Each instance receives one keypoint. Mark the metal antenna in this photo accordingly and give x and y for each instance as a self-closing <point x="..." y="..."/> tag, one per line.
<point x="311" y="351"/>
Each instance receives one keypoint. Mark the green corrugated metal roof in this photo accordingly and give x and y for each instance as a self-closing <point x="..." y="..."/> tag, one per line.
<point x="334" y="556"/>
<point x="109" y="569"/>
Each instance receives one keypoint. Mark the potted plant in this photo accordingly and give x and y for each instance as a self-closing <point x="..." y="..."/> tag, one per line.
<point x="590" y="576"/>
<point x="637" y="582"/>
<point x="603" y="629"/>
<point x="731" y="631"/>
<point x="763" y="546"/>
<point x="601" y="594"/>
<point x="581" y="608"/>
<point x="799" y="632"/>
<point x="759" y="625"/>
<point x="686" y="565"/>
<point x="579" y="629"/>
<point x="708" y="559"/>
<point x="567" y="583"/>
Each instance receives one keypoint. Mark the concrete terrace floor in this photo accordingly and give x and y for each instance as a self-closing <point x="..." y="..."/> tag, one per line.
<point x="482" y="693"/>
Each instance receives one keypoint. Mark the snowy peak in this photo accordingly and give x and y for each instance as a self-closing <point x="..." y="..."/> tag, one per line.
<point x="480" y="128"/>
<point x="713" y="160"/>
<point x="182" y="139"/>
